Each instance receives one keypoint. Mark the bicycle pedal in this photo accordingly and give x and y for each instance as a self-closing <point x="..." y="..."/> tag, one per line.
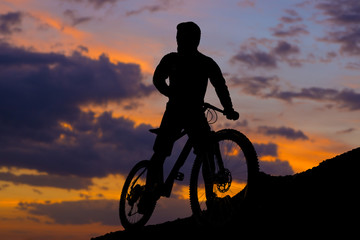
<point x="179" y="176"/>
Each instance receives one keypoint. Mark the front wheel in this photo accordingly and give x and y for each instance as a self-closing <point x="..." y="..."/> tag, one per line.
<point x="219" y="185"/>
<point x="133" y="190"/>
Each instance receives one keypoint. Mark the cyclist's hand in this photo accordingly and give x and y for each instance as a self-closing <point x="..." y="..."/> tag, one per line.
<point x="231" y="114"/>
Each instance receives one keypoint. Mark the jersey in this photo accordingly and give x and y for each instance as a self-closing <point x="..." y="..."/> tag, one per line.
<point x="188" y="79"/>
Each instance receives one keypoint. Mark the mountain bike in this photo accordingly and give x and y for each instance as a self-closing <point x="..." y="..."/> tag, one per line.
<point x="220" y="178"/>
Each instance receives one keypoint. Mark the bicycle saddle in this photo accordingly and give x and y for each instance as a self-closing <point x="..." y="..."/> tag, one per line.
<point x="155" y="130"/>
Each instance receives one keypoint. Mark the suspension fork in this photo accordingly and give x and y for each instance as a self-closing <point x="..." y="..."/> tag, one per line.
<point x="217" y="155"/>
<point x="209" y="165"/>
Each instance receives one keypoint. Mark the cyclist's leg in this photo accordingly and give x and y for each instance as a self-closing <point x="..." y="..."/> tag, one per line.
<point x="170" y="127"/>
<point x="155" y="174"/>
<point x="199" y="132"/>
<point x="154" y="179"/>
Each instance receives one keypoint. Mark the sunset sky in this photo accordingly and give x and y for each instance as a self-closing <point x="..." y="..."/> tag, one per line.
<point x="77" y="100"/>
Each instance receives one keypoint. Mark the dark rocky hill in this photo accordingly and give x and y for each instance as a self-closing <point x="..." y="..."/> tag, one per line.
<point x="321" y="201"/>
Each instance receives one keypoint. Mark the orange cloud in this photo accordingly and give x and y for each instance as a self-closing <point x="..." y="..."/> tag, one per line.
<point x="60" y="26"/>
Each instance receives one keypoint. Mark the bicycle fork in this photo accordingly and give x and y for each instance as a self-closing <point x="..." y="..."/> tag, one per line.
<point x="212" y="162"/>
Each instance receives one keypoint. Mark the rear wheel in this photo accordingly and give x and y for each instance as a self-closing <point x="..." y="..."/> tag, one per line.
<point x="133" y="190"/>
<point x="233" y="165"/>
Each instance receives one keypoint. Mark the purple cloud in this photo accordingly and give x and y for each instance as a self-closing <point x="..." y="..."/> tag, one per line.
<point x="161" y="5"/>
<point x="345" y="99"/>
<point x="269" y="149"/>
<point x="344" y="19"/>
<point x="39" y="91"/>
<point x="75" y="212"/>
<point x="252" y="57"/>
<point x="256" y="85"/>
<point x="268" y="87"/>
<point x="57" y="181"/>
<point x="286" y="132"/>
<point x="255" y="59"/>
<point x="276" y="168"/>
<point x="292" y="31"/>
<point x="291" y="17"/>
<point x="74" y="19"/>
<point x="10" y="22"/>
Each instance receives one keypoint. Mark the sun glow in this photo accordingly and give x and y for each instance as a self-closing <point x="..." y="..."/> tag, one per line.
<point x="66" y="126"/>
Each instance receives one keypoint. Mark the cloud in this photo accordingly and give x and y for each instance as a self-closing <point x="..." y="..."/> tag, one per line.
<point x="266" y="149"/>
<point x="74" y="19"/>
<point x="286" y="132"/>
<point x="95" y="147"/>
<point x="292" y="31"/>
<point x="346" y="99"/>
<point x="97" y="4"/>
<point x="285" y="49"/>
<point x="252" y="57"/>
<point x="3" y="186"/>
<point x="344" y="19"/>
<point x="289" y="25"/>
<point x="103" y="211"/>
<point x="101" y="3"/>
<point x="160" y="6"/>
<point x="346" y="131"/>
<point x="268" y="87"/>
<point x="277" y="167"/>
<point x="291" y="17"/>
<point x="37" y="90"/>
<point x="247" y="3"/>
<point x="42" y="125"/>
<point x="67" y="182"/>
<point x="256" y="59"/>
<point x="9" y="22"/>
<point x="76" y="212"/>
<point x="256" y="85"/>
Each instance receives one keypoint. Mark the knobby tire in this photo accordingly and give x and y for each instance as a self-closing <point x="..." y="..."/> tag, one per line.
<point x="124" y="204"/>
<point x="212" y="216"/>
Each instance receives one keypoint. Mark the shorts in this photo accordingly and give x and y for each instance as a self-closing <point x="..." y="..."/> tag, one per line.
<point x="193" y="121"/>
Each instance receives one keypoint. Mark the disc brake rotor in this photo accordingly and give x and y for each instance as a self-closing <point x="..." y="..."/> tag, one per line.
<point x="224" y="180"/>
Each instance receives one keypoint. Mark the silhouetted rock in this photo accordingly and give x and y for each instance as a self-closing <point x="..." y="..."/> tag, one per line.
<point x="322" y="201"/>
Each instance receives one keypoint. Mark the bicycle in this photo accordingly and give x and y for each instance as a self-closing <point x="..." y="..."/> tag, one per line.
<point x="219" y="180"/>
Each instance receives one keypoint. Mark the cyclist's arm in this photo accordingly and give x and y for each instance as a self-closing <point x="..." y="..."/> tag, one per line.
<point x="218" y="81"/>
<point x="160" y="75"/>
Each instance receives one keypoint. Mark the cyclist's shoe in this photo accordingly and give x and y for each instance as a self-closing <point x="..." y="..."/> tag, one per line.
<point x="144" y="203"/>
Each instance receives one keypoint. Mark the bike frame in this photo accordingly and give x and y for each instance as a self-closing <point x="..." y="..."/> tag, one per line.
<point x="174" y="173"/>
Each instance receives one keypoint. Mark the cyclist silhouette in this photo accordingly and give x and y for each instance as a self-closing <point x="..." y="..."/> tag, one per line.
<point x="188" y="71"/>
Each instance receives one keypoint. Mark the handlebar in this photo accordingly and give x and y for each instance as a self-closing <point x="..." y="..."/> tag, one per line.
<point x="233" y="115"/>
<point x="209" y="106"/>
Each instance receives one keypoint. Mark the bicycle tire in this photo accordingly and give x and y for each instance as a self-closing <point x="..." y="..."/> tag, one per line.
<point x="130" y="188"/>
<point x="226" y="205"/>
